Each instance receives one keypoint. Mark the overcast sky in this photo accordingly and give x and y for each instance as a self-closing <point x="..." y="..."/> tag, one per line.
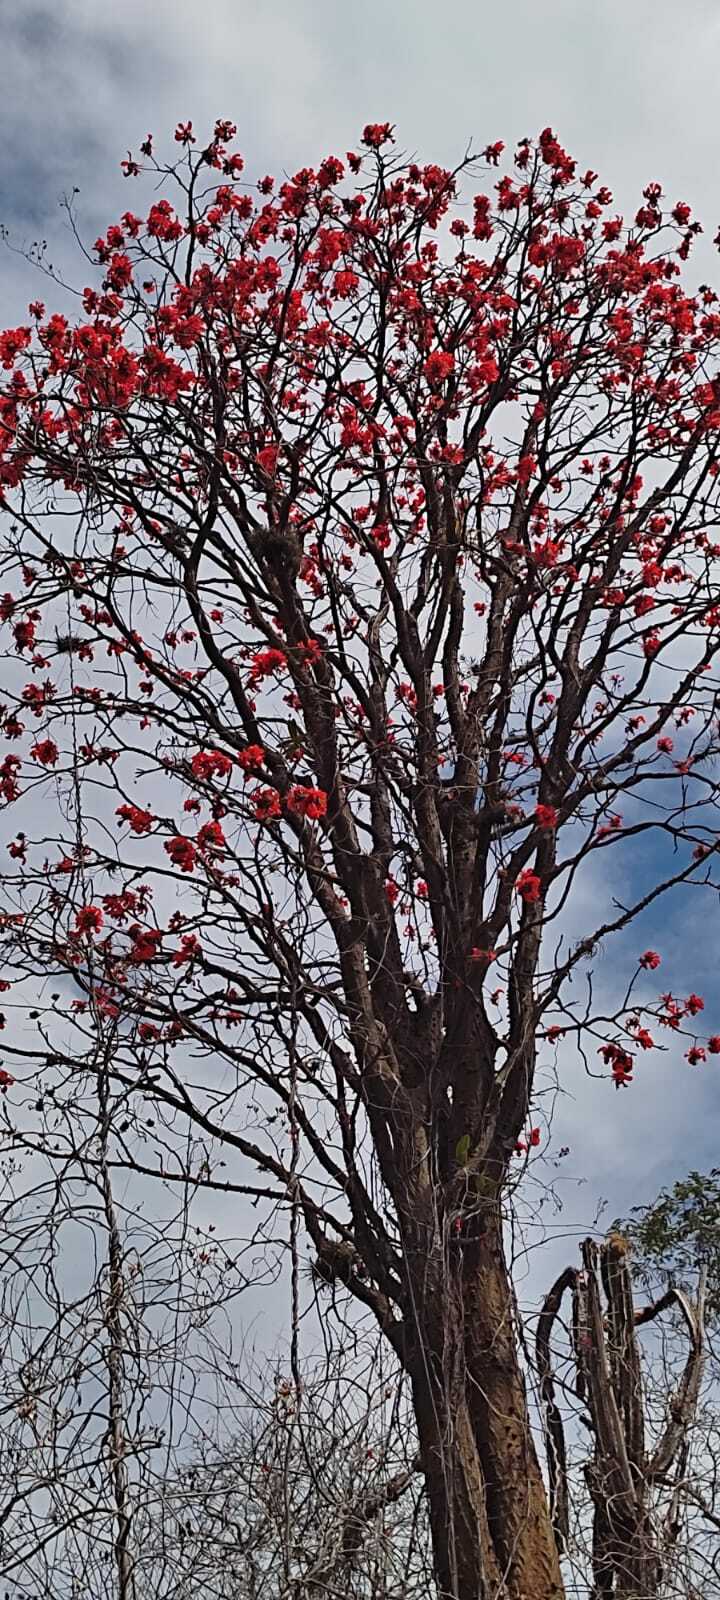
<point x="631" y="88"/>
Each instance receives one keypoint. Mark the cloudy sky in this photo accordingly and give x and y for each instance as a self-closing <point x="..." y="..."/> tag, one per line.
<point x="631" y="88"/>
<point x="630" y="85"/>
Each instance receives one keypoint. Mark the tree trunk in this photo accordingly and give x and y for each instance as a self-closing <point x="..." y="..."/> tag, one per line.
<point x="489" y="1510"/>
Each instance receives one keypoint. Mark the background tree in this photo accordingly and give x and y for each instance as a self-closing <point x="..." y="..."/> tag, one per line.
<point x="360" y="542"/>
<point x="144" y="1453"/>
<point x="678" y="1233"/>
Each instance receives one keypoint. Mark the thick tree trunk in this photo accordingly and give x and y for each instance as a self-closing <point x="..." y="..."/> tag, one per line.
<point x="489" y="1509"/>
<point x="518" y="1505"/>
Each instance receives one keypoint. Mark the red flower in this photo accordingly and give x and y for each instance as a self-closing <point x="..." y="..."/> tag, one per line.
<point x="24" y="634"/>
<point x="620" y="1062"/>
<point x="266" y="804"/>
<point x="528" y="885"/>
<point x="376" y="134"/>
<point x="713" y="1045"/>
<point x="211" y="837"/>
<point x="12" y="342"/>
<point x="345" y="283"/>
<point x="392" y="890"/>
<point x="145" y="944"/>
<point x="534" y="1137"/>
<point x="46" y="752"/>
<point x="162" y="222"/>
<point x="140" y="821"/>
<point x="267" y="459"/>
<point x="438" y="367"/>
<point x="211" y="764"/>
<point x="693" y="1004"/>
<point x="251" y="758"/>
<point x="181" y="852"/>
<point x="264" y="662"/>
<point x="89" y="919"/>
<point x="695" y="1055"/>
<point x="650" y="960"/>
<point x="546" y="816"/>
<point x="120" y="271"/>
<point x="189" y="948"/>
<point x="304" y="802"/>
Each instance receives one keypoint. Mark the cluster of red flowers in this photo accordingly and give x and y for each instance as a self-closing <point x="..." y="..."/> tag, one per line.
<point x="252" y="758"/>
<point x="208" y="764"/>
<point x="531" y="1143"/>
<point x="188" y="950"/>
<point x="439" y="367"/>
<point x="211" y="839"/>
<point x="266" y="804"/>
<point x="300" y="801"/>
<point x="145" y="944"/>
<point x="45" y="752"/>
<point x="620" y="1062"/>
<point x="266" y="662"/>
<point x="528" y="885"/>
<point x="139" y="820"/>
<point x="89" y="919"/>
<point x="304" y="802"/>
<point x="546" y="817"/>
<point x="182" y="852"/>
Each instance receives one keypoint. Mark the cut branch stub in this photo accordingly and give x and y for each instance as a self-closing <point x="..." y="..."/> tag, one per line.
<point x="621" y="1477"/>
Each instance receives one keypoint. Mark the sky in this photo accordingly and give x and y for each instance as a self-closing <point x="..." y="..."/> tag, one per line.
<point x="630" y="87"/>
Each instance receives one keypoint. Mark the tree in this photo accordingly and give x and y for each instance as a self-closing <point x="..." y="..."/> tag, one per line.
<point x="263" y="1486"/>
<point x="359" y="536"/>
<point x="679" y="1232"/>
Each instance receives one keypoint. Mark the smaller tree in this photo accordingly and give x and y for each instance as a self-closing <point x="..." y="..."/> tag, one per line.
<point x="314" y="1497"/>
<point x="679" y="1232"/>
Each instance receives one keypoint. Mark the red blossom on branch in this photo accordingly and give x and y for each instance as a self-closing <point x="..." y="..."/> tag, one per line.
<point x="182" y="852"/>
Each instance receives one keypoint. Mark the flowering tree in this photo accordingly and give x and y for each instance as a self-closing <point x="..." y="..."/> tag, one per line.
<point x="360" y="597"/>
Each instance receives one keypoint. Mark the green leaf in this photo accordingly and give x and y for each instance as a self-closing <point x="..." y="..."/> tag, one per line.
<point x="462" y="1150"/>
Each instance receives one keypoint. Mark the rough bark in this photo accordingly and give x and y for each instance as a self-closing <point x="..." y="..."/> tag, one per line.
<point x="490" y="1516"/>
<point x="630" y="1540"/>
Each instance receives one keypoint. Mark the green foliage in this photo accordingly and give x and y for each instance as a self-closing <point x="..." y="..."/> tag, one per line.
<point x="462" y="1150"/>
<point x="678" y="1232"/>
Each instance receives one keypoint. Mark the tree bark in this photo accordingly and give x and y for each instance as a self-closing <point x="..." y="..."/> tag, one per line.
<point x="489" y="1509"/>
